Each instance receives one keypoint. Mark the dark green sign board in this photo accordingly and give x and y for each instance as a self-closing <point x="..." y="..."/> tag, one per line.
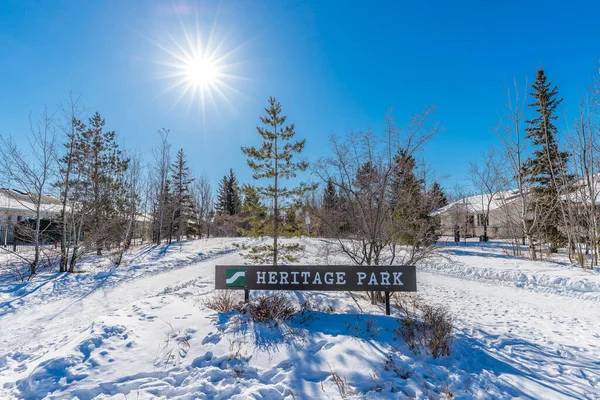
<point x="317" y="277"/>
<point x="397" y="278"/>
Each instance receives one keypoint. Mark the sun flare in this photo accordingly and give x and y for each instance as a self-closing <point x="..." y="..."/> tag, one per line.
<point x="201" y="71"/>
<point x="199" y="68"/>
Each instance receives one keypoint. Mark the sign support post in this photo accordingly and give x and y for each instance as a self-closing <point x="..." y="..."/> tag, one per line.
<point x="387" y="303"/>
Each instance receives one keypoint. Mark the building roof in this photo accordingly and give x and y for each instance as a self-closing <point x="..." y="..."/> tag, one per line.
<point x="15" y="201"/>
<point x="579" y="192"/>
<point x="478" y="204"/>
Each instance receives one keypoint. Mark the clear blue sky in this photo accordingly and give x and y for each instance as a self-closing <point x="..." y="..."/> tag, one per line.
<point x="334" y="65"/>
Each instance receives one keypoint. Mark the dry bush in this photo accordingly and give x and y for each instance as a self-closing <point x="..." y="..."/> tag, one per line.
<point x="438" y="327"/>
<point x="49" y="258"/>
<point x="390" y="365"/>
<point x="174" y="348"/>
<point x="223" y="301"/>
<point x="269" y="308"/>
<point x="426" y="327"/>
<point x="341" y="384"/>
<point x="226" y="225"/>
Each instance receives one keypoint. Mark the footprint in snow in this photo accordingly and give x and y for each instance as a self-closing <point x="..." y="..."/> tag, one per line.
<point x="212" y="338"/>
<point x="323" y="344"/>
<point x="285" y="365"/>
<point x="273" y="376"/>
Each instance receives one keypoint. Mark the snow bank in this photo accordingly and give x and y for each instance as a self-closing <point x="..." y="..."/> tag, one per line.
<point x="170" y="347"/>
<point x="489" y="263"/>
<point x="142" y="331"/>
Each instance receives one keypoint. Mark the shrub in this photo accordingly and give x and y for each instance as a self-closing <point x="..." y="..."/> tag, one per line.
<point x="223" y="301"/>
<point x="266" y="308"/>
<point x="431" y="332"/>
<point x="438" y="330"/>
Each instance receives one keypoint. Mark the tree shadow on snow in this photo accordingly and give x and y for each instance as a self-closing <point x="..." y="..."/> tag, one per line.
<point x="524" y="368"/>
<point x="510" y="367"/>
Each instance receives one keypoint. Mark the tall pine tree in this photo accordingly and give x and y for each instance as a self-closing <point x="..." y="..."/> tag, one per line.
<point x="228" y="196"/>
<point x="102" y="167"/>
<point x="546" y="169"/>
<point x="330" y="197"/>
<point x="413" y="224"/>
<point x="273" y="160"/>
<point x="182" y="199"/>
<point x="437" y="197"/>
<point x="97" y="191"/>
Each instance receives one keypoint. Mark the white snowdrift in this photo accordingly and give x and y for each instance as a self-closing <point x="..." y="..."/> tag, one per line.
<point x="477" y="261"/>
<point x="142" y="331"/>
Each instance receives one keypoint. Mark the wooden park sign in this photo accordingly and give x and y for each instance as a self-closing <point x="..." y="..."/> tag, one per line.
<point x="318" y="277"/>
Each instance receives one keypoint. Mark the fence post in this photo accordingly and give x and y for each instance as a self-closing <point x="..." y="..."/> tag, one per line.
<point x="387" y="303"/>
<point x="246" y="296"/>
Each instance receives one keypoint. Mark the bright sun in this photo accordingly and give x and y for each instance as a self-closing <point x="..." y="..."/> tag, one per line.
<point x="201" y="71"/>
<point x="199" y="68"/>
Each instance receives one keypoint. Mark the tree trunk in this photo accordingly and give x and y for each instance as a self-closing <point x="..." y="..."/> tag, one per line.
<point x="275" y="205"/>
<point x="75" y="252"/>
<point x="74" y="256"/>
<point x="532" y="252"/>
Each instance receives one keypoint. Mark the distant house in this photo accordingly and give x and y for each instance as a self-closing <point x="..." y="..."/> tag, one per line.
<point x="16" y="206"/>
<point x="468" y="215"/>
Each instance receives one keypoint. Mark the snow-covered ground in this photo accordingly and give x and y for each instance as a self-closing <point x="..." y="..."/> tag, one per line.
<point x="523" y="329"/>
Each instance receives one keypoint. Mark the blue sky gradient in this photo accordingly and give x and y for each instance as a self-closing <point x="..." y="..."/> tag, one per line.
<point x="334" y="65"/>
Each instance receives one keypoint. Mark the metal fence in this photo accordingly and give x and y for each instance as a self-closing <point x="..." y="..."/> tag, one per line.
<point x="6" y="237"/>
<point x="10" y="242"/>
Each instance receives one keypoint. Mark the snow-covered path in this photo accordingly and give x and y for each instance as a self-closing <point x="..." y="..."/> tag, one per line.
<point x="45" y="322"/>
<point x="543" y="345"/>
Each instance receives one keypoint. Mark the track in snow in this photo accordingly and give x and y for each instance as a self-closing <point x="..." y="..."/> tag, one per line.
<point x="41" y="327"/>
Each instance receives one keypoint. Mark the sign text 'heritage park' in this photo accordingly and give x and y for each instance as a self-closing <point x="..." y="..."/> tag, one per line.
<point x="317" y="277"/>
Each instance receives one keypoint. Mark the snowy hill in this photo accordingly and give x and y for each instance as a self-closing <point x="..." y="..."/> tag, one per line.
<point x="523" y="329"/>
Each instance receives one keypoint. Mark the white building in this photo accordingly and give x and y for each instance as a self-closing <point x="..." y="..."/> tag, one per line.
<point x="468" y="215"/>
<point x="16" y="206"/>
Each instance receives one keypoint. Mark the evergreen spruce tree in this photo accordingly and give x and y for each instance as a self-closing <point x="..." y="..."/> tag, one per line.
<point x="254" y="214"/>
<point x="330" y="197"/>
<point x="273" y="160"/>
<point x="546" y="168"/>
<point x="228" y="195"/>
<point x="437" y="197"/>
<point x="331" y="210"/>
<point x="100" y="165"/>
<point x="412" y="221"/>
<point x="234" y="201"/>
<point x="221" y="204"/>
<point x="182" y="198"/>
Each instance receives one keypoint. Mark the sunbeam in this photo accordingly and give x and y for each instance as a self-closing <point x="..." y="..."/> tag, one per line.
<point x="199" y="68"/>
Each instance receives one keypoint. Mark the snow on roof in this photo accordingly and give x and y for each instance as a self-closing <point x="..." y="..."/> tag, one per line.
<point x="142" y="217"/>
<point x="580" y="191"/>
<point x="479" y="203"/>
<point x="16" y="201"/>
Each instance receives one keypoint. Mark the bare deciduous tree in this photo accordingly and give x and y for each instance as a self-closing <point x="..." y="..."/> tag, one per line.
<point x="162" y="161"/>
<point x="71" y="114"/>
<point x="511" y="133"/>
<point x="486" y="177"/>
<point x="362" y="169"/>
<point x="204" y="200"/>
<point x="31" y="172"/>
<point x="133" y="184"/>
